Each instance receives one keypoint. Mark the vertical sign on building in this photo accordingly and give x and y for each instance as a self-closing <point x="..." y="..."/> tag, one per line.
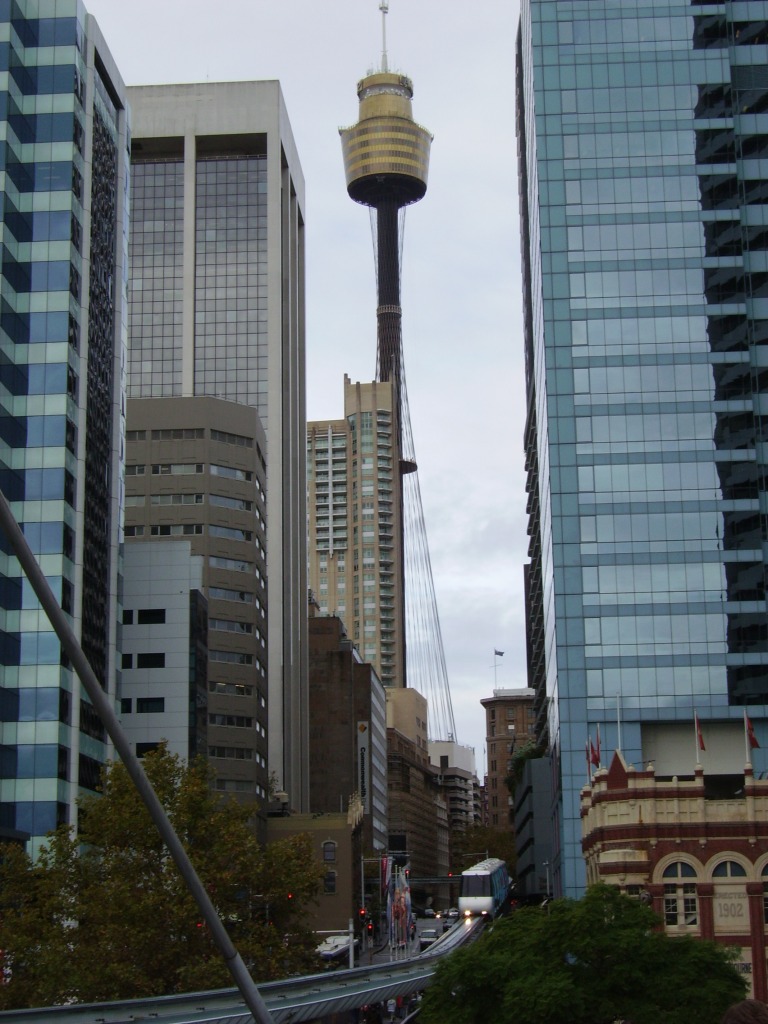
<point x="364" y="764"/>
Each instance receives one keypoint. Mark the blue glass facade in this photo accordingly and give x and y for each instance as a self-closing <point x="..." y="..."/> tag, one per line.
<point x="643" y="137"/>
<point x="62" y="354"/>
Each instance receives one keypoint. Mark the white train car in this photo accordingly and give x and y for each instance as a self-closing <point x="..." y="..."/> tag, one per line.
<point x="484" y="888"/>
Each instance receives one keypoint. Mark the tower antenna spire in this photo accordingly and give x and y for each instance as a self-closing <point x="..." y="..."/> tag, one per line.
<point x="384" y="8"/>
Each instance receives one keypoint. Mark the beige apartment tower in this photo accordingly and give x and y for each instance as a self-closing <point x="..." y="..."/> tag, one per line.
<point x="217" y="311"/>
<point x="355" y="525"/>
<point x="195" y="471"/>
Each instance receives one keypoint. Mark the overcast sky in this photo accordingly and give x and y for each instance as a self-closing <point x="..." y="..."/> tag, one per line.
<point x="462" y="320"/>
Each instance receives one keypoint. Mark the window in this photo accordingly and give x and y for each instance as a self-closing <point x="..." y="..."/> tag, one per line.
<point x="150" y="660"/>
<point x="329" y="883"/>
<point x="233" y="721"/>
<point x="145" y="748"/>
<point x="151" y="616"/>
<point x="127" y="661"/>
<point x="136" y="470"/>
<point x="680" y="901"/>
<point x="230" y="472"/>
<point x="126" y="706"/>
<point x="149" y="705"/>
<point x="237" y="439"/>
<point x="729" y="869"/>
<point x="231" y="689"/>
<point x="329" y="850"/>
<point x="231" y="753"/>
<point x="176" y="468"/>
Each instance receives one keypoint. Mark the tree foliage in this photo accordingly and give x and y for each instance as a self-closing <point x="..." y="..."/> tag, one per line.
<point x="105" y="914"/>
<point x="594" y="961"/>
<point x="472" y="845"/>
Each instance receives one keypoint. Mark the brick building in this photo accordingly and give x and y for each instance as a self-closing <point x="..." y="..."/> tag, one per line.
<point x="696" y="847"/>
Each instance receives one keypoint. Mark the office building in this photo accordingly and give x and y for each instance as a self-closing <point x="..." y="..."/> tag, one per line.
<point x="63" y="335"/>
<point x="509" y="727"/>
<point x="454" y="766"/>
<point x="355" y="525"/>
<point x="164" y="696"/>
<point x="194" y="483"/>
<point x="418" y="813"/>
<point x="347" y="729"/>
<point x="643" y="142"/>
<point x="217" y="310"/>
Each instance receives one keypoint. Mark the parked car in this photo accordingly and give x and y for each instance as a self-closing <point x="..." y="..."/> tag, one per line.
<point x="427" y="937"/>
<point x="453" y="912"/>
<point x="429" y="912"/>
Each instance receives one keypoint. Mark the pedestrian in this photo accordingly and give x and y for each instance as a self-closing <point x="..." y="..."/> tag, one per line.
<point x="748" y="1011"/>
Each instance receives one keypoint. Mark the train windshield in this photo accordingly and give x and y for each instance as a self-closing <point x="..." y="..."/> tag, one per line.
<point x="475" y="885"/>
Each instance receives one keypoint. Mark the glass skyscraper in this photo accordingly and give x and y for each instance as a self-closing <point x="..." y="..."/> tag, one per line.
<point x="217" y="311"/>
<point x="643" y="141"/>
<point x="62" y="341"/>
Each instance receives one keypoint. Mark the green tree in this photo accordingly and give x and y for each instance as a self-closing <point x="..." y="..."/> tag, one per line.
<point x="472" y="845"/>
<point x="105" y="915"/>
<point x="593" y="961"/>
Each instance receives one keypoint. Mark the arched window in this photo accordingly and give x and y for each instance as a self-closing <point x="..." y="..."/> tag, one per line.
<point x="680" y="901"/>
<point x="729" y="869"/>
<point x="329" y="851"/>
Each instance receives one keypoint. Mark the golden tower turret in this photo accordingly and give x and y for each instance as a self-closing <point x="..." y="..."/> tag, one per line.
<point x="386" y="154"/>
<point x="386" y="162"/>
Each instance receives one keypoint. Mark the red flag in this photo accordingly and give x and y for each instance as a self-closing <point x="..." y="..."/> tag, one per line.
<point x="594" y="754"/>
<point x="699" y="737"/>
<point x="751" y="738"/>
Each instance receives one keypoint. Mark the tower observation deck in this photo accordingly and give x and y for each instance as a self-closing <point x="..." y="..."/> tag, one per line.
<point x="386" y="163"/>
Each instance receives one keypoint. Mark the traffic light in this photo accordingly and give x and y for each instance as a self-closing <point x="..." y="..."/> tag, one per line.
<point x="290" y="895"/>
<point x="369" y="926"/>
<point x="362" y="912"/>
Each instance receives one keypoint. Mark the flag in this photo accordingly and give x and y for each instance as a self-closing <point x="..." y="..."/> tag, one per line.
<point x="594" y="752"/>
<point x="498" y="654"/>
<point x="751" y="738"/>
<point x="699" y="736"/>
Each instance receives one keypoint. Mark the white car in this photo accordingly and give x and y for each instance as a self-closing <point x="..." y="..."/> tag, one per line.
<point x="426" y="937"/>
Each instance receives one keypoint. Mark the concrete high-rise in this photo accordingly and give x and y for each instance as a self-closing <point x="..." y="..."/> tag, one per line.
<point x="62" y="334"/>
<point x="188" y="481"/>
<point x="355" y="524"/>
<point x="643" y="143"/>
<point x="217" y="309"/>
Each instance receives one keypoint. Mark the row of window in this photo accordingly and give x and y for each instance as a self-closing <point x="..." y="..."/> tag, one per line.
<point x="189" y="469"/>
<point x="194" y="530"/>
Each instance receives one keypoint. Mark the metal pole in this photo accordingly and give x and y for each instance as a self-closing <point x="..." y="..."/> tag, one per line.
<point x="101" y="702"/>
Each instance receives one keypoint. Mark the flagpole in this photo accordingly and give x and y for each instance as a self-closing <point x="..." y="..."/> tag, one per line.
<point x="747" y="744"/>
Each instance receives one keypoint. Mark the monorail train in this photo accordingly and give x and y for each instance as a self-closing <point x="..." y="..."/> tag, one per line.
<point x="484" y="888"/>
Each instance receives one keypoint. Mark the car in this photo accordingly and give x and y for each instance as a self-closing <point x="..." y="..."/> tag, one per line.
<point x="429" y="912"/>
<point x="426" y="937"/>
<point x="453" y="912"/>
